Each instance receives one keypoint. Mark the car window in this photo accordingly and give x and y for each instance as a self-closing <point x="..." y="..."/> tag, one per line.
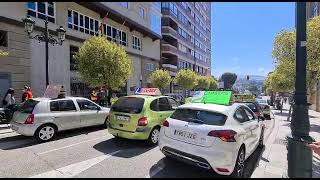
<point x="62" y="105"/>
<point x="173" y="103"/>
<point x="86" y="105"/>
<point x="249" y="114"/>
<point x="128" y="105"/>
<point x="253" y="107"/>
<point x="28" y="106"/>
<point x="154" y="105"/>
<point x="199" y="116"/>
<point x="238" y="115"/>
<point x="164" y="104"/>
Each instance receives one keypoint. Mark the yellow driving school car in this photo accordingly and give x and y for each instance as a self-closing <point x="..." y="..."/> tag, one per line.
<point x="140" y="116"/>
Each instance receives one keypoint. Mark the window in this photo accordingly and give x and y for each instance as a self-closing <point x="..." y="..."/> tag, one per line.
<point x="173" y="103"/>
<point x="128" y="105"/>
<point x="315" y="9"/>
<point x="136" y="43"/>
<point x="86" y="105"/>
<point x="62" y="105"/>
<point x="112" y="33"/>
<point x="4" y="38"/>
<point x="171" y="6"/>
<point x="164" y="104"/>
<point x="249" y="114"/>
<point x="199" y="116"/>
<point x="154" y="105"/>
<point x="141" y="12"/>
<point x="238" y="115"/>
<point x="184" y="5"/>
<point x="41" y="10"/>
<point x="155" y="22"/>
<point x="75" y="20"/>
<point x="82" y="23"/>
<point x="182" y="48"/>
<point x="149" y="66"/>
<point x="182" y="33"/>
<point x="73" y="62"/>
<point x="125" y="4"/>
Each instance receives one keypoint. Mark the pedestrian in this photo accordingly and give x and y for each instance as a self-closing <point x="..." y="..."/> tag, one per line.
<point x="114" y="98"/>
<point x="315" y="147"/>
<point x="102" y="97"/>
<point x="24" y="94"/>
<point x="93" y="96"/>
<point x="29" y="93"/>
<point x="9" y="98"/>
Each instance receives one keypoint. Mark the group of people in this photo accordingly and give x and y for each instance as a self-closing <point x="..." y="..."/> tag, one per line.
<point x="101" y="98"/>
<point x="9" y="98"/>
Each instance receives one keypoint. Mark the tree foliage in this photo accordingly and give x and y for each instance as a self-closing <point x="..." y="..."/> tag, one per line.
<point x="186" y="78"/>
<point x="103" y="63"/>
<point x="160" y="78"/>
<point x="229" y="79"/>
<point x="203" y="82"/>
<point x="283" y="53"/>
<point x="213" y="84"/>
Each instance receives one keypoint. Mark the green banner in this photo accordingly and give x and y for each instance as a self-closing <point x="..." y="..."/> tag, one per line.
<point x="212" y="97"/>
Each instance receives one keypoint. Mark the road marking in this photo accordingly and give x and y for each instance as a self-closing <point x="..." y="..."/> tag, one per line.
<point x="157" y="169"/>
<point x="74" y="169"/>
<point x="52" y="150"/>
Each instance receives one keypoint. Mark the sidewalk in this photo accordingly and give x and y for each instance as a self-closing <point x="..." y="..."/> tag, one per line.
<point x="273" y="163"/>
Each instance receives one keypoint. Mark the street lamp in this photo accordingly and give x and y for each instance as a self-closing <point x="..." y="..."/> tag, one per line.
<point x="44" y="37"/>
<point x="299" y="155"/>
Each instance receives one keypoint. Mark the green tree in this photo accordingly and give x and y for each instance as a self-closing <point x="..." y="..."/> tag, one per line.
<point x="229" y="79"/>
<point x="186" y="78"/>
<point x="160" y="78"/>
<point x="103" y="63"/>
<point x="203" y="82"/>
<point x="213" y="84"/>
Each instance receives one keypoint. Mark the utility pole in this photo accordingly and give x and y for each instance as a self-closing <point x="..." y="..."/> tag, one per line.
<point x="299" y="155"/>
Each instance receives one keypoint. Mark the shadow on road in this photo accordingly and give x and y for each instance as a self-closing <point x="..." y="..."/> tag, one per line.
<point x="129" y="148"/>
<point x="177" y="169"/>
<point x="20" y="141"/>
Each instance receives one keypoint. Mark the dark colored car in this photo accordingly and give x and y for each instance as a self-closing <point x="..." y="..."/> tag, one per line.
<point x="177" y="97"/>
<point x="255" y="107"/>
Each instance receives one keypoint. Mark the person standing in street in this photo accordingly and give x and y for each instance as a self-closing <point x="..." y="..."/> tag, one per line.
<point x="29" y="93"/>
<point x="9" y="98"/>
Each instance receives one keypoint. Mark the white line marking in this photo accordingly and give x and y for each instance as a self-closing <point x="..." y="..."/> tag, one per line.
<point x="74" y="169"/>
<point x="64" y="147"/>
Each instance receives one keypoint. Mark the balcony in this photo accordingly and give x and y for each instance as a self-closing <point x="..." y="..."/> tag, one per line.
<point x="170" y="67"/>
<point x="169" y="31"/>
<point x="168" y="49"/>
<point x="166" y="13"/>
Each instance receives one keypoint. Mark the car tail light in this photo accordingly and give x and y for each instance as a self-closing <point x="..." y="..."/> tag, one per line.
<point x="222" y="169"/>
<point x="143" y="121"/>
<point x="165" y="123"/>
<point x="30" y="119"/>
<point x="224" y="135"/>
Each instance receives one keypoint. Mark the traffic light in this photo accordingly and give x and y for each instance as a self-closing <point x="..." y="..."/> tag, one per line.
<point x="248" y="77"/>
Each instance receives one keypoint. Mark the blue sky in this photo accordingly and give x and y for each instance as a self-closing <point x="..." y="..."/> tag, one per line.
<point x="243" y="33"/>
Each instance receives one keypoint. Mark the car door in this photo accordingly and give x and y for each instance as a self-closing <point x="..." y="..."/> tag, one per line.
<point x="165" y="107"/>
<point x="90" y="114"/>
<point x="255" y="128"/>
<point x="245" y="125"/>
<point x="160" y="110"/>
<point x="64" y="114"/>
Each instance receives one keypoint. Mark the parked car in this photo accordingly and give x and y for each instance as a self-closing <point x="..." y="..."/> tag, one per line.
<point x="255" y="107"/>
<point x="265" y="108"/>
<point x="213" y="137"/>
<point x="44" y="117"/>
<point x="140" y="116"/>
<point x="177" y="97"/>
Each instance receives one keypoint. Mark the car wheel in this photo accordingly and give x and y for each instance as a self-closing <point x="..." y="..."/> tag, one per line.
<point x="45" y="133"/>
<point x="238" y="171"/>
<point x="261" y="140"/>
<point x="154" y="136"/>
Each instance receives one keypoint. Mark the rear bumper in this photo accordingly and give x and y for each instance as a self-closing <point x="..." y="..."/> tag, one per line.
<point x="212" y="157"/>
<point x="144" y="135"/>
<point x="24" y="129"/>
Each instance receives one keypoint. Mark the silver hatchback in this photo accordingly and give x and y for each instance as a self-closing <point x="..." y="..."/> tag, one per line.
<point x="44" y="117"/>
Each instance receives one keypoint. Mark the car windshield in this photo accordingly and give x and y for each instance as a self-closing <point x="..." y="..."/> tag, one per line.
<point x="28" y="106"/>
<point x="252" y="106"/>
<point x="199" y="116"/>
<point x="128" y="105"/>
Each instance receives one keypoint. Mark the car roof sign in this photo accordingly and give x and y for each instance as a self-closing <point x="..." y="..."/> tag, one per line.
<point x="148" y="91"/>
<point x="244" y="98"/>
<point x="213" y="97"/>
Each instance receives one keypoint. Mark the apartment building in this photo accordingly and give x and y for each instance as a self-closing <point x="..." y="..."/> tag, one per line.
<point x="186" y="32"/>
<point x="135" y="25"/>
<point x="313" y="10"/>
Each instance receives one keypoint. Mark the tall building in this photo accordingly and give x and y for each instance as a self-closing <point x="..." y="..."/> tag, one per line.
<point x="186" y="33"/>
<point x="313" y="9"/>
<point x="134" y="25"/>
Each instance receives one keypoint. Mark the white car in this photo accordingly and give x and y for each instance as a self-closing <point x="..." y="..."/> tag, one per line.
<point x="214" y="137"/>
<point x="44" y="117"/>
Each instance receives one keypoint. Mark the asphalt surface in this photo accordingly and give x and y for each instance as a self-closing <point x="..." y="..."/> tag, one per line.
<point x="93" y="152"/>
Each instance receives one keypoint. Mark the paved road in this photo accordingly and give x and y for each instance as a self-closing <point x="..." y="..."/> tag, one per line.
<point x="93" y="152"/>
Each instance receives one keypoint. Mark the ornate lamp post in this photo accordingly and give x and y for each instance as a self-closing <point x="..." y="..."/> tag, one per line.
<point x="44" y="37"/>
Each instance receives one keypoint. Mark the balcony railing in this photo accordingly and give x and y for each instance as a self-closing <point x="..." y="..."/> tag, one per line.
<point x="168" y="48"/>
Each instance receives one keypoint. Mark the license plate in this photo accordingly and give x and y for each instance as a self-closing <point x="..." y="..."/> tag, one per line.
<point x="15" y="128"/>
<point x="123" y="118"/>
<point x="185" y="134"/>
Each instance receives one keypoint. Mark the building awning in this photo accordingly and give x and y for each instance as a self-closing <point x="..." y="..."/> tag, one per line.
<point x="117" y="17"/>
